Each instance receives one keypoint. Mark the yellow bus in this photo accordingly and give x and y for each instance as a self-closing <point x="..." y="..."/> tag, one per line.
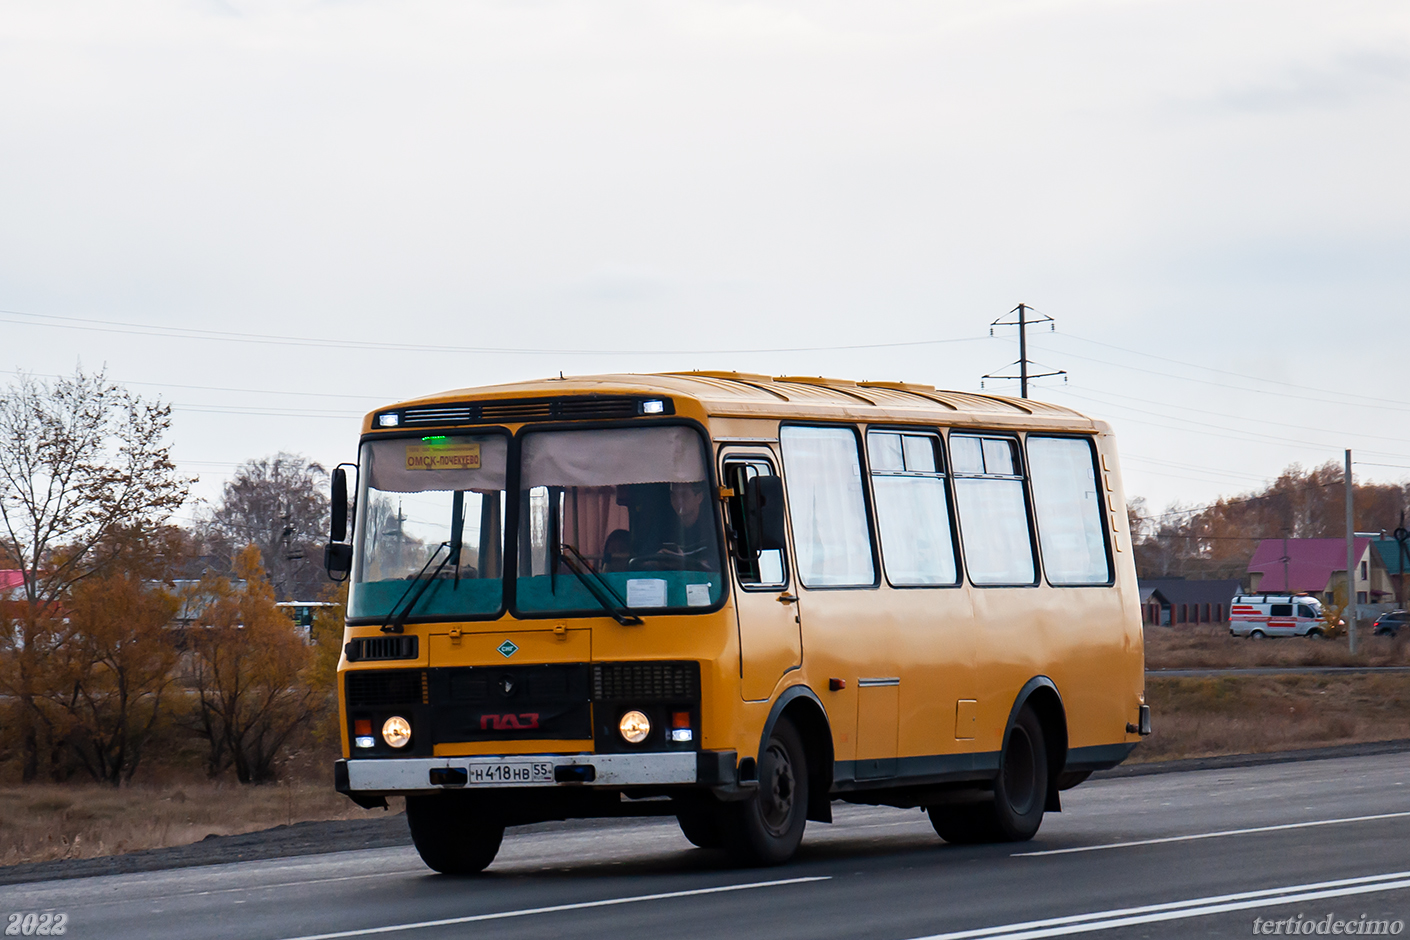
<point x="732" y="599"/>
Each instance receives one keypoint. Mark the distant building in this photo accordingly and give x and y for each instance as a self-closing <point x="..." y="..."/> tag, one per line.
<point x="11" y="580"/>
<point x="1318" y="566"/>
<point x="1169" y="601"/>
<point x="302" y="613"/>
<point x="1397" y="567"/>
<point x="195" y="603"/>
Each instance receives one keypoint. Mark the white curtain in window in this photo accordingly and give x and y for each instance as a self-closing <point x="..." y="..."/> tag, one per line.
<point x="994" y="525"/>
<point x="914" y="520"/>
<point x="831" y="539"/>
<point x="1069" y="510"/>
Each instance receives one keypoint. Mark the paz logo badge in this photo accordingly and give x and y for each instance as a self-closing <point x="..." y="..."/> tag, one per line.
<point x="507" y="649"/>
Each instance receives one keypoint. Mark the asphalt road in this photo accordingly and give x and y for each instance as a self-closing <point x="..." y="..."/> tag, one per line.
<point x="1274" y="671"/>
<point x="1194" y="854"/>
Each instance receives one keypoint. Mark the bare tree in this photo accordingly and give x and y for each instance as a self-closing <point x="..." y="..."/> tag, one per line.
<point x="279" y="504"/>
<point x="80" y="458"/>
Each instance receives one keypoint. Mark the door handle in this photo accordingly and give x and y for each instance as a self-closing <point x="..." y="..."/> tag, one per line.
<point x="787" y="598"/>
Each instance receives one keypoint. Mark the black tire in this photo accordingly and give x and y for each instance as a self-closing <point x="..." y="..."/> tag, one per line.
<point x="701" y="828"/>
<point x="451" y="834"/>
<point x="1020" y="793"/>
<point x="767" y="828"/>
<point x="1316" y="634"/>
<point x="1257" y="635"/>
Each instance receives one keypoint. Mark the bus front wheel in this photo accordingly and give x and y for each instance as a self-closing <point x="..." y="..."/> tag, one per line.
<point x="1020" y="793"/>
<point x="700" y="829"/>
<point x="767" y="828"/>
<point x="451" y="834"/>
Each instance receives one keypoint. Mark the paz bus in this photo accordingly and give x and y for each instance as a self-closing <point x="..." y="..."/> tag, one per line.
<point x="735" y="600"/>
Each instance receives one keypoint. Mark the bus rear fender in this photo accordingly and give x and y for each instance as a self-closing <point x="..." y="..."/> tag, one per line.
<point x="806" y="711"/>
<point x="1042" y="694"/>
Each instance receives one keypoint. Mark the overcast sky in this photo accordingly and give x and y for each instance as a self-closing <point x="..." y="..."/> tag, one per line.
<point x="1210" y="199"/>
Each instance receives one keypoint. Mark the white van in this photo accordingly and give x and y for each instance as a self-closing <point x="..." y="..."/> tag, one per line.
<point x="1260" y="615"/>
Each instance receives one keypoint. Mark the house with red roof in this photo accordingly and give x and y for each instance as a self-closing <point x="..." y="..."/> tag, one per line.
<point x="11" y="579"/>
<point x="1318" y="566"/>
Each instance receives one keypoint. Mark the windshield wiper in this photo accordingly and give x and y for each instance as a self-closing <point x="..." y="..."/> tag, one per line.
<point x="598" y="586"/>
<point x="396" y="617"/>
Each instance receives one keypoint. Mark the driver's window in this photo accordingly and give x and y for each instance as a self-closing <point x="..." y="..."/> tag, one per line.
<point x="756" y="569"/>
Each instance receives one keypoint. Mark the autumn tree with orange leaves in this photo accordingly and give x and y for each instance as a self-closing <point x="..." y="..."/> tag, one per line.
<point x="249" y="673"/>
<point x="112" y="676"/>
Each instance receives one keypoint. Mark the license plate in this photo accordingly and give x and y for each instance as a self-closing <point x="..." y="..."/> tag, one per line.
<point x="508" y="771"/>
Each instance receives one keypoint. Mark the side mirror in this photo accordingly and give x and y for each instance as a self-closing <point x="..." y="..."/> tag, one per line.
<point x="340" y="505"/>
<point x="763" y="512"/>
<point x="337" y="560"/>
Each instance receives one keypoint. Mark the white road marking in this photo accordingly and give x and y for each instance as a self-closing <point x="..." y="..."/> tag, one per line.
<point x="582" y="905"/>
<point x="1179" y="910"/>
<point x="1210" y="835"/>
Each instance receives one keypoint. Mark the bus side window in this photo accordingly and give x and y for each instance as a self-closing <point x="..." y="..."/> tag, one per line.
<point x="912" y="511"/>
<point x="1069" y="510"/>
<point x="755" y="567"/>
<point x="1304" y="611"/>
<point x="827" y="505"/>
<point x="1280" y="610"/>
<point x="998" y="543"/>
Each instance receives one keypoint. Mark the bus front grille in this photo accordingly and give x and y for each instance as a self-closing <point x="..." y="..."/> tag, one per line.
<point x="511" y="410"/>
<point x="381" y="687"/>
<point x="381" y="647"/>
<point x="646" y="682"/>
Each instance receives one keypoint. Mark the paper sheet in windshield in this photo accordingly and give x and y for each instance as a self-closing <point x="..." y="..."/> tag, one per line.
<point x="646" y="592"/>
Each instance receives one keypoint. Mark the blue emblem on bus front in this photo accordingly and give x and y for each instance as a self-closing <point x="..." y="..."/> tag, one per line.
<point x="507" y="649"/>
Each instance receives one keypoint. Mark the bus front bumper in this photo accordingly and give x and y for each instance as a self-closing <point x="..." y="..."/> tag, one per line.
<point x="389" y="776"/>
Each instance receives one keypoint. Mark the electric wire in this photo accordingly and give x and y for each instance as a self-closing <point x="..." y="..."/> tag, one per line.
<point x="178" y="332"/>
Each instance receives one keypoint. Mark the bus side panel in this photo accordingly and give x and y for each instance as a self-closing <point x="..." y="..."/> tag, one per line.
<point x="937" y="642"/>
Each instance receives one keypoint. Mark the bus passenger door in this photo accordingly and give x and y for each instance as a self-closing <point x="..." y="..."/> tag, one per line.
<point x="770" y="643"/>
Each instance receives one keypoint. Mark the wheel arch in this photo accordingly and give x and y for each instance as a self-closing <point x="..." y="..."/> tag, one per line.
<point x="1042" y="693"/>
<point x="803" y="707"/>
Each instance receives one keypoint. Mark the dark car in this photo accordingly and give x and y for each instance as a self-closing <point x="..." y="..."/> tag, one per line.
<point x="1389" y="624"/>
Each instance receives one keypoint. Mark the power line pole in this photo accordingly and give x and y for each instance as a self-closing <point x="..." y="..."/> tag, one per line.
<point x="1350" y="559"/>
<point x="1023" y="322"/>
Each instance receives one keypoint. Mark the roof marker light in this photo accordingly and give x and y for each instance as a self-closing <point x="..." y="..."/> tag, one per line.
<point x="389" y="420"/>
<point x="653" y="407"/>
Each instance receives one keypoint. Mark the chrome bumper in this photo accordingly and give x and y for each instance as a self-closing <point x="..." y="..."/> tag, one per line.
<point x="414" y="774"/>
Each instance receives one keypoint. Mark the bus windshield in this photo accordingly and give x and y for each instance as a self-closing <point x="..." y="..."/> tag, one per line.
<point x="431" y="506"/>
<point x="633" y="505"/>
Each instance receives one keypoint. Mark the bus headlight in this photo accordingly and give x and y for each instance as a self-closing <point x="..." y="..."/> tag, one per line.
<point x="634" y="727"/>
<point x="396" y="731"/>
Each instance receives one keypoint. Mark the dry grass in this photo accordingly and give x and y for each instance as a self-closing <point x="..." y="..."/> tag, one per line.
<point x="41" y="822"/>
<point x="1252" y="714"/>
<point x="1209" y="646"/>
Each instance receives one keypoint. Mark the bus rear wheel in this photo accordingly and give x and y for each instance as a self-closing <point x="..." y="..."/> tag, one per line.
<point x="1020" y="793"/>
<point x="767" y="828"/>
<point x="452" y="835"/>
